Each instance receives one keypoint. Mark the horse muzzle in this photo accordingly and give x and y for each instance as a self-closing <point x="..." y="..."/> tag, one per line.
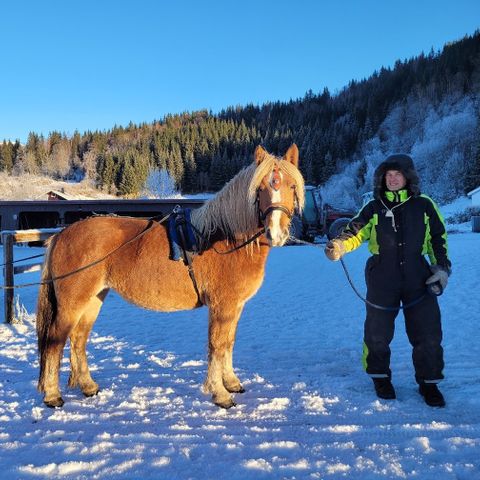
<point x="276" y="238"/>
<point x="277" y="231"/>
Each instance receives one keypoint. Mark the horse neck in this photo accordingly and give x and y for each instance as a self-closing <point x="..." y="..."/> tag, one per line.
<point x="228" y="216"/>
<point x="224" y="240"/>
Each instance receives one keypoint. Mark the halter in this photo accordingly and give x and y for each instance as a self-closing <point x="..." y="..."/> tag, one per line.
<point x="276" y="183"/>
<point x="272" y="208"/>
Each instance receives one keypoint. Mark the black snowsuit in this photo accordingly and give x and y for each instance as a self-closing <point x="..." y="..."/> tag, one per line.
<point x="401" y="228"/>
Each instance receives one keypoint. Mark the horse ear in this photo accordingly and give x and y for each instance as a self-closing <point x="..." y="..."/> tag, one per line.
<point x="292" y="155"/>
<point x="259" y="154"/>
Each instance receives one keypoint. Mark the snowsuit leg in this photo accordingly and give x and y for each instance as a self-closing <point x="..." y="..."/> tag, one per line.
<point x="379" y="328"/>
<point x="423" y="326"/>
<point x="387" y="284"/>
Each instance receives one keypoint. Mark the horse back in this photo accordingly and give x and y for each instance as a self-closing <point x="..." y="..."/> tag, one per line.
<point x="130" y="256"/>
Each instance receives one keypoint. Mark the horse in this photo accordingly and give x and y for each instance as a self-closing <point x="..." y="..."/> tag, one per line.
<point x="131" y="255"/>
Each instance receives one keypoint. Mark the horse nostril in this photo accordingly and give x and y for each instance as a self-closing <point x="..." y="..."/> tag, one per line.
<point x="268" y="234"/>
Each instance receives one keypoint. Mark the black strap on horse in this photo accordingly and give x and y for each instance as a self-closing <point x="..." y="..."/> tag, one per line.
<point x="151" y="222"/>
<point x="180" y="225"/>
<point x="243" y="244"/>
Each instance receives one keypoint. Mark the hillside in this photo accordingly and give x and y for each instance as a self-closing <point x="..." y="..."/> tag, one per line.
<point x="427" y="105"/>
<point x="31" y="187"/>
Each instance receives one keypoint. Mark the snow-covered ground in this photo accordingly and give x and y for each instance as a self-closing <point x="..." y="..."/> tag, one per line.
<point x="309" y="411"/>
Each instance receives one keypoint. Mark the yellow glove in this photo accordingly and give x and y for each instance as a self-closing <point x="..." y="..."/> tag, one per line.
<point x="335" y="250"/>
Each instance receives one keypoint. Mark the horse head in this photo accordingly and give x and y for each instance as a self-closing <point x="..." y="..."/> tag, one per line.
<point x="279" y="194"/>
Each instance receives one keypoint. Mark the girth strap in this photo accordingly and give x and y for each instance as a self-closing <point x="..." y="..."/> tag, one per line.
<point x="187" y="259"/>
<point x="183" y="243"/>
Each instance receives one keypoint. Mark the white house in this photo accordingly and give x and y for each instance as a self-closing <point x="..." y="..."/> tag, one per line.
<point x="475" y="196"/>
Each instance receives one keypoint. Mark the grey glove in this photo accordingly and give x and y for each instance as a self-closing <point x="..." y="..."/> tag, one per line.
<point x="438" y="281"/>
<point x="334" y="250"/>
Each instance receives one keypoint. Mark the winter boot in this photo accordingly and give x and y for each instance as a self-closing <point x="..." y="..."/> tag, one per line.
<point x="384" y="388"/>
<point x="432" y="395"/>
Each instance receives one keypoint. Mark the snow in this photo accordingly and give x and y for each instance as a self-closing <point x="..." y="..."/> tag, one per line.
<point x="457" y="206"/>
<point x="309" y="410"/>
<point x="450" y="210"/>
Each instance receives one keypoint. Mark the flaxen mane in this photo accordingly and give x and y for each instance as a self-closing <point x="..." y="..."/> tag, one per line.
<point x="233" y="210"/>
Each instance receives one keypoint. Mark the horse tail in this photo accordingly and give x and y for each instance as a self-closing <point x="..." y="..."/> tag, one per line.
<point x="46" y="310"/>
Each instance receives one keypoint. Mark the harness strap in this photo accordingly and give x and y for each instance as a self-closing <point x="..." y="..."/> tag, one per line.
<point x="187" y="258"/>
<point x="150" y="224"/>
<point x="238" y="247"/>
<point x="272" y="208"/>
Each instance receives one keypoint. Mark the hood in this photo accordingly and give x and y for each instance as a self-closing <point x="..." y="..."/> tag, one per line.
<point x="403" y="163"/>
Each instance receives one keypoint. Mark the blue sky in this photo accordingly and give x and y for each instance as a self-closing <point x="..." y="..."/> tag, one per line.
<point x="89" y="65"/>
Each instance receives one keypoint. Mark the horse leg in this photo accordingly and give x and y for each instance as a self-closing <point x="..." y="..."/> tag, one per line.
<point x="79" y="371"/>
<point x="222" y="321"/>
<point x="230" y="380"/>
<point x="52" y="356"/>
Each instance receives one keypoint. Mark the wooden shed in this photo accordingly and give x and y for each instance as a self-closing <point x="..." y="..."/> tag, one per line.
<point x="474" y="195"/>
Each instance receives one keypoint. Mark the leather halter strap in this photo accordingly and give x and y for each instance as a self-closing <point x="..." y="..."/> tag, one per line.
<point x="276" y="183"/>
<point x="272" y="208"/>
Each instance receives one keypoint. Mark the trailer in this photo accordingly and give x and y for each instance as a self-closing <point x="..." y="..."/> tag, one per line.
<point x="24" y="215"/>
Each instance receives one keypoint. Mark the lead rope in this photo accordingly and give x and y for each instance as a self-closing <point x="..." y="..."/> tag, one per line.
<point x="374" y="305"/>
<point x="359" y="295"/>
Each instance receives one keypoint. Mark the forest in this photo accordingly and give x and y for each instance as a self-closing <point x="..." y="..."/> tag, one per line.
<point x="427" y="106"/>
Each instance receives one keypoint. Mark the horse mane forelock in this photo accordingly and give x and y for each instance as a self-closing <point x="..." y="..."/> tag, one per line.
<point x="233" y="209"/>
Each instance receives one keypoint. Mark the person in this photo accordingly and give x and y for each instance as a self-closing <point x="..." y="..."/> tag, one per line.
<point x="401" y="226"/>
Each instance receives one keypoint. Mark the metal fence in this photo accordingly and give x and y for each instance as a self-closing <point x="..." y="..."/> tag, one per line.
<point x="9" y="239"/>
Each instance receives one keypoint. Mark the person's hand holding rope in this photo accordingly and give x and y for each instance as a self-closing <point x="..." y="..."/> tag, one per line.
<point x="335" y="250"/>
<point x="437" y="283"/>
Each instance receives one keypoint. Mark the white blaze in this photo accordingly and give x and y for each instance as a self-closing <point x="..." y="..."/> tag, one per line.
<point x="274" y="226"/>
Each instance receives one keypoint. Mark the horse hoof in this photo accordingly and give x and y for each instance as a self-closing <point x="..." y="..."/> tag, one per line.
<point x="226" y="404"/>
<point x="55" y="402"/>
<point x="91" y="393"/>
<point x="237" y="389"/>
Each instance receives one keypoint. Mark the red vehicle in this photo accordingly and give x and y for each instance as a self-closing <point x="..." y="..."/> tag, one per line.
<point x="319" y="218"/>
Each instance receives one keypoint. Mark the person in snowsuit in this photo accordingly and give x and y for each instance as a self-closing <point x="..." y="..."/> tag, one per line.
<point x="401" y="226"/>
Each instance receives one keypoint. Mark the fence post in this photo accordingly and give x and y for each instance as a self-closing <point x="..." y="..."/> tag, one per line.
<point x="7" y="241"/>
<point x="476" y="223"/>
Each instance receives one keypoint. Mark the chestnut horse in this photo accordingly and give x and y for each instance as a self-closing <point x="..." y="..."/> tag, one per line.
<point x="102" y="254"/>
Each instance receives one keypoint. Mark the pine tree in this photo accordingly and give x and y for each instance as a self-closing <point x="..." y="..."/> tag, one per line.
<point x="6" y="157"/>
<point x="128" y="184"/>
<point x="107" y="168"/>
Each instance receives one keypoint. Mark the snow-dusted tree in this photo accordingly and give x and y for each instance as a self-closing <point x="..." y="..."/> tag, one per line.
<point x="160" y="184"/>
<point x="341" y="189"/>
<point x="59" y="159"/>
<point x="441" y="153"/>
<point x="90" y="164"/>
